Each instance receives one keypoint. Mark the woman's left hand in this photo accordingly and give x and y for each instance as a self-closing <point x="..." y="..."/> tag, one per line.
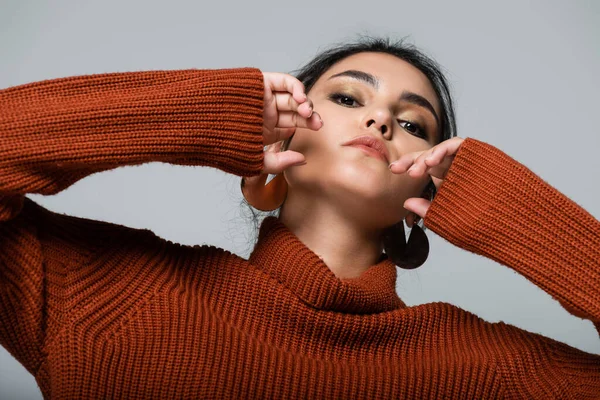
<point x="434" y="162"/>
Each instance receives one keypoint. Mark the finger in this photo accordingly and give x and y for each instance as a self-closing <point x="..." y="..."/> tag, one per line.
<point x="290" y="119"/>
<point x="433" y="156"/>
<point x="417" y="205"/>
<point x="419" y="167"/>
<point x="261" y="179"/>
<point x="276" y="162"/>
<point x="286" y="102"/>
<point x="446" y="148"/>
<point x="440" y="170"/>
<point x="436" y="157"/>
<point x="280" y="82"/>
<point x="443" y="155"/>
<point x="452" y="145"/>
<point x="403" y="163"/>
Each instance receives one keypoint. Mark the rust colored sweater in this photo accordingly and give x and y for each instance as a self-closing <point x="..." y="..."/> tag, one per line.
<point x="99" y="310"/>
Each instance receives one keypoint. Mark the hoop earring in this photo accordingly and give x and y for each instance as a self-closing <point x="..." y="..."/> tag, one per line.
<point x="409" y="254"/>
<point x="413" y="253"/>
<point x="270" y="197"/>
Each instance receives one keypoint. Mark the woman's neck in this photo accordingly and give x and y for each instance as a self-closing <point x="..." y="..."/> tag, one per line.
<point x="346" y="248"/>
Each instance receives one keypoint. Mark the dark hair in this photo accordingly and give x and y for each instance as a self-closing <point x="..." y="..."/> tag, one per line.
<point x="311" y="71"/>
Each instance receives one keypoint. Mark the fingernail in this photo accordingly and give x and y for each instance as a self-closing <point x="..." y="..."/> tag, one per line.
<point x="413" y="167"/>
<point x="391" y="165"/>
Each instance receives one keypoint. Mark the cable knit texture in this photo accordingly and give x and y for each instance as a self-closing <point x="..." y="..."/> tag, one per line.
<point x="96" y="310"/>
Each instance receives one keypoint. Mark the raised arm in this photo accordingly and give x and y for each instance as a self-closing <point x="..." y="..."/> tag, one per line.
<point x="492" y="205"/>
<point x="54" y="133"/>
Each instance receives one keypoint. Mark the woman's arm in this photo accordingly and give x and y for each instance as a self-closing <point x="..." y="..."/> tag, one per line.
<point x="55" y="132"/>
<point x="492" y="205"/>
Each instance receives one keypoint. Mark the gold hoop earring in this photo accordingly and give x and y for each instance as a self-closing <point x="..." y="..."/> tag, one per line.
<point x="270" y="196"/>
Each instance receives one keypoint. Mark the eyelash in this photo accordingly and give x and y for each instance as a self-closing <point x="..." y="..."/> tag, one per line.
<point x="337" y="97"/>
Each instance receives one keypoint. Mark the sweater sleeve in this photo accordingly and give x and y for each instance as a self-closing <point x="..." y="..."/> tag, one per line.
<point x="533" y="366"/>
<point x="54" y="133"/>
<point x="58" y="131"/>
<point x="492" y="205"/>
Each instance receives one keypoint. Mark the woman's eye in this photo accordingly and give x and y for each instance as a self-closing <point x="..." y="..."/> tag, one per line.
<point x="344" y="100"/>
<point x="413" y="128"/>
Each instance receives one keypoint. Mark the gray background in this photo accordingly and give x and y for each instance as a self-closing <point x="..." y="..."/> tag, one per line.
<point x="525" y="78"/>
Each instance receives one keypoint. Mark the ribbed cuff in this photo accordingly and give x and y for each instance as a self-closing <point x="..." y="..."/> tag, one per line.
<point x="492" y="205"/>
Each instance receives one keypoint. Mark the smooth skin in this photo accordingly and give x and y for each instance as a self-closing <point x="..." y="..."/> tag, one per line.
<point x="340" y="199"/>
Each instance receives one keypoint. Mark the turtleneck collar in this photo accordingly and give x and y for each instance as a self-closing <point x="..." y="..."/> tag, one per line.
<point x="282" y="255"/>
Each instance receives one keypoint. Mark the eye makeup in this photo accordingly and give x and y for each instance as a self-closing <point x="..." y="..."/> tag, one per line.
<point x="346" y="90"/>
<point x="351" y="94"/>
<point x="416" y="116"/>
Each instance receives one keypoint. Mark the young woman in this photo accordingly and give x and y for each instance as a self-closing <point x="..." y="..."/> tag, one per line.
<point x="359" y="143"/>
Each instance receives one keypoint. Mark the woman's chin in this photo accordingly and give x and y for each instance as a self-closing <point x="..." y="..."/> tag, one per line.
<point x="366" y="179"/>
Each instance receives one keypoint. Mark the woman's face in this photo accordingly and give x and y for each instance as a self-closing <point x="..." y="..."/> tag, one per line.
<point x="358" y="96"/>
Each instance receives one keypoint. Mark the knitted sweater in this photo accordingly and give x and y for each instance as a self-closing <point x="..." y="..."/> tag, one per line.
<point x="99" y="310"/>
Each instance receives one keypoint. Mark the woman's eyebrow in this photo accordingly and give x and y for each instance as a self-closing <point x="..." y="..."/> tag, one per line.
<point x="420" y="101"/>
<point x="360" y="76"/>
<point x="371" y="80"/>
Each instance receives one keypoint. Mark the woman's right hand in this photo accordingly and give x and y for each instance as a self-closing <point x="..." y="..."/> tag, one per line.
<point x="286" y="107"/>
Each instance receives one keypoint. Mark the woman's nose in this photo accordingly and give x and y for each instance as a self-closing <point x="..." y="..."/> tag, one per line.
<point x="381" y="127"/>
<point x="382" y="121"/>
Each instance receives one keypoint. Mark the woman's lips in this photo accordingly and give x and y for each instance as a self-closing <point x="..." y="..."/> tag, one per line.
<point x="370" y="145"/>
<point x="370" y="151"/>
